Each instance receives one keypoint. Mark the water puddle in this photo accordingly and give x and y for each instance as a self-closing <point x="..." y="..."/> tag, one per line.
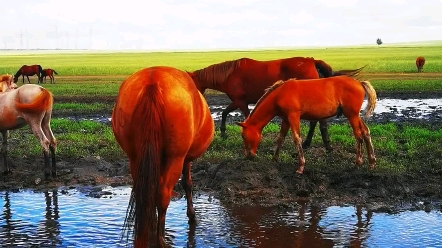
<point x="72" y="218"/>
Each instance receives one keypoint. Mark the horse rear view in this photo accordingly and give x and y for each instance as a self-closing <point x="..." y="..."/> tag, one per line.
<point x="420" y="62"/>
<point x="162" y="122"/>
<point x="30" y="105"/>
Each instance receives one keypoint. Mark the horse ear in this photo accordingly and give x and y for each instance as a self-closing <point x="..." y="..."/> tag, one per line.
<point x="241" y="124"/>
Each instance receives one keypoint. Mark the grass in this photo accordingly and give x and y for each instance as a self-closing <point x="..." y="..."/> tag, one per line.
<point x="94" y="75"/>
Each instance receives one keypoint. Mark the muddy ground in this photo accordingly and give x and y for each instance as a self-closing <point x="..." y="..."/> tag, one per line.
<point x="249" y="182"/>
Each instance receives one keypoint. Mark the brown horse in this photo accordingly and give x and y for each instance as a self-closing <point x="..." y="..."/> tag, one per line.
<point x="314" y="99"/>
<point x="30" y="105"/>
<point x="420" y="62"/>
<point x="48" y="73"/>
<point x="162" y="122"/>
<point x="28" y="70"/>
<point x="244" y="81"/>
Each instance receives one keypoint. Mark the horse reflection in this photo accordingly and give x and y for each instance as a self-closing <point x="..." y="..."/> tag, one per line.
<point x="47" y="231"/>
<point x="301" y="229"/>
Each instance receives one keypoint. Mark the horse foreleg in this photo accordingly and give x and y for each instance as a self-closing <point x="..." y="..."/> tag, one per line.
<point x="186" y="182"/>
<point x="282" y="134"/>
<point x="226" y="111"/>
<point x="324" y="134"/>
<point x="308" y="139"/>
<point x="4" y="151"/>
<point x="294" y="120"/>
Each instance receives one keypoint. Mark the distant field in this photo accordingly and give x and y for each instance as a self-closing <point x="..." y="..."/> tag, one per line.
<point x="99" y="73"/>
<point x="378" y="59"/>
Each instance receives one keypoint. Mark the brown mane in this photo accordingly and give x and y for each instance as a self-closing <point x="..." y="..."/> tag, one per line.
<point x="217" y="73"/>
<point x="267" y="92"/>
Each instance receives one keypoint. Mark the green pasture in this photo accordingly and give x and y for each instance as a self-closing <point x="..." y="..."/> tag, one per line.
<point x="397" y="150"/>
<point x="377" y="59"/>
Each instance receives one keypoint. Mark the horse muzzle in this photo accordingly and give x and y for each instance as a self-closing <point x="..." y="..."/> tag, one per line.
<point x="250" y="155"/>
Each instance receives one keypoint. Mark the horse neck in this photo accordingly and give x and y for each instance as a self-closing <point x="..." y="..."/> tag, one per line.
<point x="263" y="113"/>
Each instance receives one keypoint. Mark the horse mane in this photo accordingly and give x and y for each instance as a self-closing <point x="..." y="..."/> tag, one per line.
<point x="267" y="92"/>
<point x="217" y="73"/>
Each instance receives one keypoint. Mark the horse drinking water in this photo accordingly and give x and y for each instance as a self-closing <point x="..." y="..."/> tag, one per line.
<point x="30" y="105"/>
<point x="162" y="122"/>
<point x="245" y="80"/>
<point x="48" y="73"/>
<point x="28" y="70"/>
<point x="315" y="99"/>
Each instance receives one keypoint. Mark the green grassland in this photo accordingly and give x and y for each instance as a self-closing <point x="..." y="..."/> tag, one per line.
<point x="96" y="74"/>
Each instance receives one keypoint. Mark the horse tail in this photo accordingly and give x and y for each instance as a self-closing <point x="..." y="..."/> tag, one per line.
<point x="41" y="103"/>
<point x="54" y="72"/>
<point x="141" y="211"/>
<point x="371" y="94"/>
<point x="351" y="73"/>
<point x="324" y="69"/>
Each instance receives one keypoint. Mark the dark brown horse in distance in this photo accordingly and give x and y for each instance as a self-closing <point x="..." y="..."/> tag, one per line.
<point x="28" y="70"/>
<point x="420" y="62"/>
<point x="48" y="73"/>
<point x="245" y="80"/>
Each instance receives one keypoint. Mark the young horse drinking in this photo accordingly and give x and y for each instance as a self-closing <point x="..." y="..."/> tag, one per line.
<point x="48" y="73"/>
<point x="32" y="105"/>
<point x="245" y="80"/>
<point x="162" y="122"/>
<point x="314" y="99"/>
<point x="28" y="70"/>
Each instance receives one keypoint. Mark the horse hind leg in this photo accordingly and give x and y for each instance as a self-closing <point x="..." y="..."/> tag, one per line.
<point x="186" y="182"/>
<point x="44" y="142"/>
<point x="170" y="174"/>
<point x="224" y="114"/>
<point x="4" y="151"/>
<point x="362" y="134"/>
<point x="46" y="127"/>
<point x="294" y="120"/>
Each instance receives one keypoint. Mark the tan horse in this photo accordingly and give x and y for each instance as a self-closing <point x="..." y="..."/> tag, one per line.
<point x="30" y="105"/>
<point x="6" y="83"/>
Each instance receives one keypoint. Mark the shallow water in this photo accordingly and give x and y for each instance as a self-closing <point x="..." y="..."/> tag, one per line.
<point x="386" y="109"/>
<point x="395" y="109"/>
<point x="70" y="218"/>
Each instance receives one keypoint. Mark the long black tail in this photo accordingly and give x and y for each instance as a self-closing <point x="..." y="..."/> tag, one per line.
<point x="55" y="72"/>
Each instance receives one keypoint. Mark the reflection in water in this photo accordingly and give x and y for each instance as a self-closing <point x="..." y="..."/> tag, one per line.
<point x="44" y="233"/>
<point x="73" y="219"/>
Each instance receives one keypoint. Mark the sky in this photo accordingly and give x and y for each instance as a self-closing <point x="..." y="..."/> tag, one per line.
<point x="215" y="24"/>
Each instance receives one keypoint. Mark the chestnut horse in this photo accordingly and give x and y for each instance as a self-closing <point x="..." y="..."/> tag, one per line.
<point x="30" y="105"/>
<point x="28" y="70"/>
<point x="244" y="81"/>
<point x="162" y="122"/>
<point x="420" y="62"/>
<point x="48" y="73"/>
<point x="314" y="99"/>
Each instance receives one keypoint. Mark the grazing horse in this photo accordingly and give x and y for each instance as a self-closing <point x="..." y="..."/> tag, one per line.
<point x="420" y="62"/>
<point x="162" y="122"/>
<point x="244" y="81"/>
<point x="28" y="70"/>
<point x="314" y="99"/>
<point x="30" y="105"/>
<point x="48" y="73"/>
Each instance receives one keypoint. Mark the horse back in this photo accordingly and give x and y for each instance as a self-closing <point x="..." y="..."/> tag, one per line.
<point x="253" y="77"/>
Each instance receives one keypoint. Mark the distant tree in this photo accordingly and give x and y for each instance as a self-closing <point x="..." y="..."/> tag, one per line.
<point x="379" y="41"/>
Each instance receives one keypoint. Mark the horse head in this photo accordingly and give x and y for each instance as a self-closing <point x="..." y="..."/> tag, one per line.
<point x="251" y="139"/>
<point x="7" y="83"/>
